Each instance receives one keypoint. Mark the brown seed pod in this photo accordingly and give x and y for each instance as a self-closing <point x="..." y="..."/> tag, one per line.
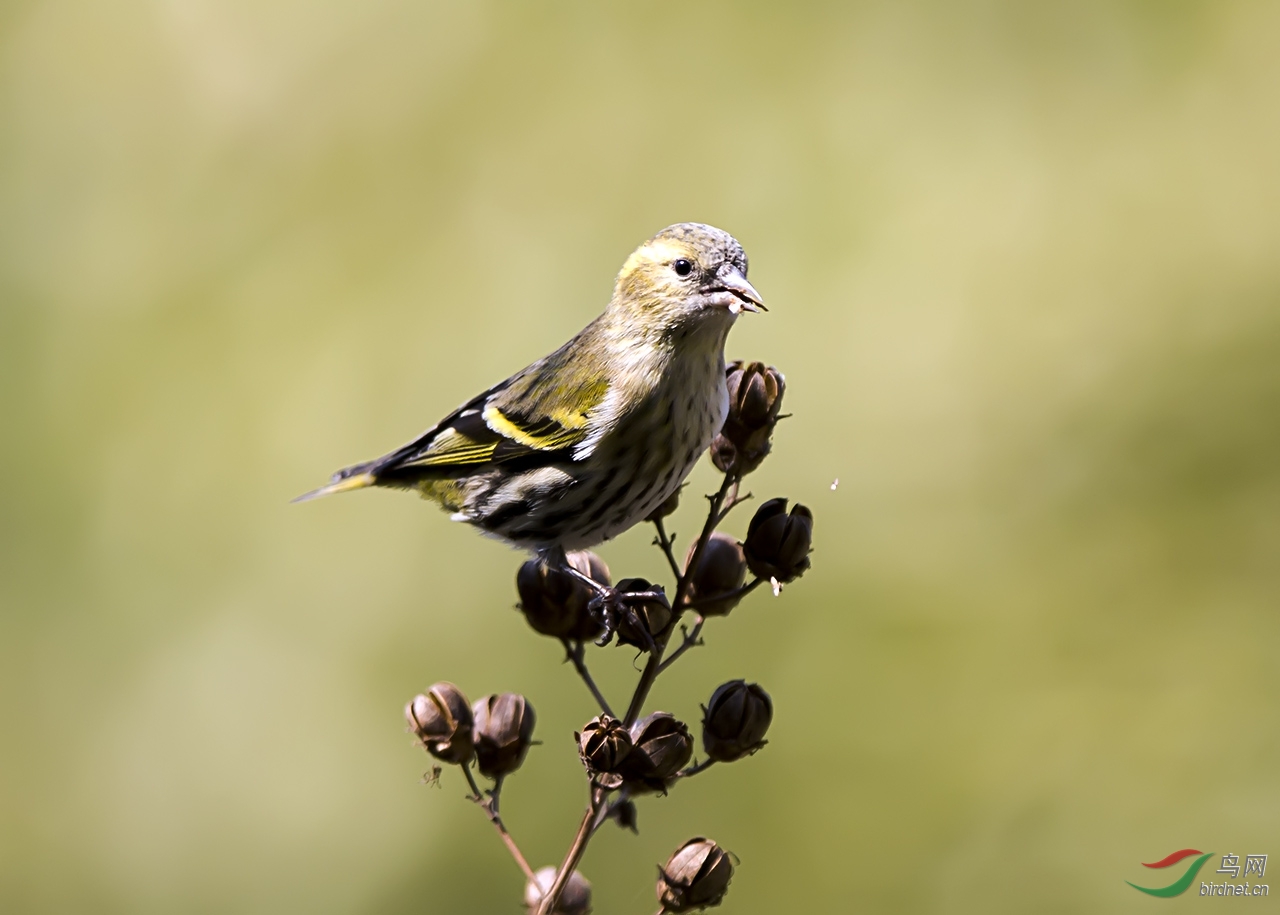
<point x="697" y="876"/>
<point x="778" y="543"/>
<point x="639" y="622"/>
<point x="722" y="569"/>
<point x="755" y="400"/>
<point x="603" y="745"/>
<point x="660" y="747"/>
<point x="575" y="898"/>
<point x="442" y="720"/>
<point x="555" y="603"/>
<point x="735" y="721"/>
<point x="503" y="732"/>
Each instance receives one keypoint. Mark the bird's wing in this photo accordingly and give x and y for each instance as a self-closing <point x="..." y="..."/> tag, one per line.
<point x="539" y="416"/>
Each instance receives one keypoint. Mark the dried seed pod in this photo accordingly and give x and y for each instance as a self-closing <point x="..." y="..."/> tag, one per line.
<point x="442" y="720"/>
<point x="755" y="400"/>
<point x="695" y="877"/>
<point x="735" y="721"/>
<point x="640" y="621"/>
<point x="778" y="543"/>
<point x="604" y="745"/>
<point x="660" y="747"/>
<point x="666" y="508"/>
<point x="724" y="455"/>
<point x="722" y="569"/>
<point x="575" y="898"/>
<point x="503" y="733"/>
<point x="555" y="603"/>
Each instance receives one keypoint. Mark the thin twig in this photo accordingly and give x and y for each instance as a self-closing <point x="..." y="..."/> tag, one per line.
<point x="577" y="654"/>
<point x="714" y="516"/>
<point x="690" y="639"/>
<point x="651" y="667"/>
<point x="665" y="543"/>
<point x="585" y="830"/>
<point x="732" y="502"/>
<point x="596" y="811"/>
<point x="490" y="806"/>
<point x="588" y="581"/>
<point x="696" y="768"/>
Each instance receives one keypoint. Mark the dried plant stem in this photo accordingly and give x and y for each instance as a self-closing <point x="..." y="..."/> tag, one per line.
<point x="690" y="639"/>
<point x="585" y="830"/>
<point x="577" y="603"/>
<point x="717" y="513"/>
<point x="699" y="767"/>
<point x="490" y="806"/>
<point x="577" y="654"/>
<point x="665" y="542"/>
<point x="653" y="666"/>
<point x="721" y="504"/>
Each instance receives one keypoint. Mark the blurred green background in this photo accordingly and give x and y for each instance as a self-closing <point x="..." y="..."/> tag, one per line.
<point x="1022" y="265"/>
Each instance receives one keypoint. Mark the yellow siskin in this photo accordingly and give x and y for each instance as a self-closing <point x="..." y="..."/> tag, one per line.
<point x="584" y="443"/>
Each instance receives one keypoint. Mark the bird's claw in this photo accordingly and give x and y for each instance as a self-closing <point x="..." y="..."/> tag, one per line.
<point x="610" y="605"/>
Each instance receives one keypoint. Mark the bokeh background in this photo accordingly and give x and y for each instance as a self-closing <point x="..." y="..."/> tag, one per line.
<point x="1022" y="265"/>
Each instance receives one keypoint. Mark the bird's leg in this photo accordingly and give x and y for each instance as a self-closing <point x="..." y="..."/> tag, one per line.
<point x="604" y="596"/>
<point x="603" y="613"/>
<point x="603" y="606"/>
<point x="609" y="603"/>
<point x="587" y="580"/>
<point x="626" y="604"/>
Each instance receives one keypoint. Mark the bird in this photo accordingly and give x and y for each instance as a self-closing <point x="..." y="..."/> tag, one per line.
<point x="583" y="444"/>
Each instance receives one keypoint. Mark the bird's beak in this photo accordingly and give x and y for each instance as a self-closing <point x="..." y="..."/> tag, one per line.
<point x="731" y="290"/>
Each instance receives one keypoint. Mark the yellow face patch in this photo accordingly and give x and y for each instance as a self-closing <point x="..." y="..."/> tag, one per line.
<point x="660" y="251"/>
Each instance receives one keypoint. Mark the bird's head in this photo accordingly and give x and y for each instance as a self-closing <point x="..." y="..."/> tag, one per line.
<point x="688" y="273"/>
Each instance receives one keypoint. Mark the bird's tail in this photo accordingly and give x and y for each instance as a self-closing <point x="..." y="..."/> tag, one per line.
<point x="343" y="480"/>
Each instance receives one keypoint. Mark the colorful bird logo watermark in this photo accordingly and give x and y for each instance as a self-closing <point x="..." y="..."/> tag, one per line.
<point x="1254" y="864"/>
<point x="1179" y="886"/>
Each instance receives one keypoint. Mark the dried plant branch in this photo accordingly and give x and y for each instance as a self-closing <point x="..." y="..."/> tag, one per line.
<point x="666" y="543"/>
<point x="576" y="653"/>
<point x="715" y="514"/>
<point x="586" y="829"/>
<point x="691" y="638"/>
<point x="651" y="667"/>
<point x="697" y="767"/>
<point x="489" y="805"/>
<point x="569" y="596"/>
<point x="732" y="502"/>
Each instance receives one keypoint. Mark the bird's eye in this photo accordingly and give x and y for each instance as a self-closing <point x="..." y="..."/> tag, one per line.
<point x="683" y="267"/>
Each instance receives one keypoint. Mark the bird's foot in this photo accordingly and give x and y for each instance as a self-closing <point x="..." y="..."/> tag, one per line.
<point x="631" y="615"/>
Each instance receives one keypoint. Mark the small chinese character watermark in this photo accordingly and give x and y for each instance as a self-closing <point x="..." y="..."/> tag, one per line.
<point x="1230" y="865"/>
<point x="1255" y="864"/>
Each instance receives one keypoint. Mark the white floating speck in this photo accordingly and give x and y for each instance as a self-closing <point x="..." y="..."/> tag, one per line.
<point x="835" y="484"/>
<point x="777" y="586"/>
